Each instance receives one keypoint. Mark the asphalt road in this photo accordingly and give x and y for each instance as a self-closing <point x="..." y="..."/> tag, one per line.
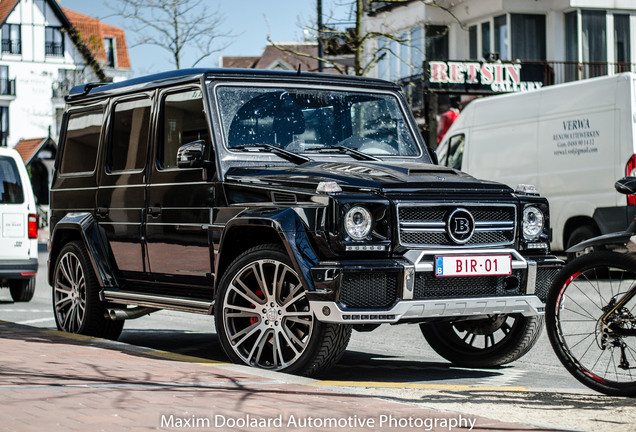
<point x="389" y="354"/>
<point x="392" y="362"/>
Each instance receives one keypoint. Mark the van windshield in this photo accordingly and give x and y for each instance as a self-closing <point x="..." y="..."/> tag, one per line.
<point x="10" y="184"/>
<point x="315" y="121"/>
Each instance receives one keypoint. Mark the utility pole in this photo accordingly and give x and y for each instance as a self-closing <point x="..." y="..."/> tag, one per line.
<point x="321" y="49"/>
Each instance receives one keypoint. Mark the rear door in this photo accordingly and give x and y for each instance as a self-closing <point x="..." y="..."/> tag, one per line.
<point x="14" y="212"/>
<point x="121" y="197"/>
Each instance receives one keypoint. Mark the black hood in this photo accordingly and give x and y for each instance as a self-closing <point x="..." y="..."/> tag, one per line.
<point x="356" y="175"/>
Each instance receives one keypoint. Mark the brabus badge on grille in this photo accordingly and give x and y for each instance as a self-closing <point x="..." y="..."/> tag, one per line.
<point x="460" y="226"/>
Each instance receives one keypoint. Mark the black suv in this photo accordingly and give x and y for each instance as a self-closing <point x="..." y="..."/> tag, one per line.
<point x="294" y="207"/>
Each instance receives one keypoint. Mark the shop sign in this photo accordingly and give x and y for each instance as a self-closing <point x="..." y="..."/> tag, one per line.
<point x="497" y="77"/>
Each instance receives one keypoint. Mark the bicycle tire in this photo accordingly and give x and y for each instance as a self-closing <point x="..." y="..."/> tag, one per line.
<point x="594" y="354"/>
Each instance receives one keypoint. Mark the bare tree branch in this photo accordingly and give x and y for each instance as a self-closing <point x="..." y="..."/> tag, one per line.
<point x="177" y="26"/>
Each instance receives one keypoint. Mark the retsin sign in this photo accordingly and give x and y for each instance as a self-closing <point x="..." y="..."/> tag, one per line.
<point x="496" y="77"/>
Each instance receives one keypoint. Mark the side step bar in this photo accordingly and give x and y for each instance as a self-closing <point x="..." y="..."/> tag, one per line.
<point x="159" y="302"/>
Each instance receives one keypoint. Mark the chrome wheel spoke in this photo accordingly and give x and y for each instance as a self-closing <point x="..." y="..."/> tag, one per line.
<point x="70" y="293"/>
<point x="266" y="315"/>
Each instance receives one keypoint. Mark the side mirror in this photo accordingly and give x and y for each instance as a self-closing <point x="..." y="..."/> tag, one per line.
<point x="626" y="185"/>
<point x="191" y="155"/>
<point x="433" y="154"/>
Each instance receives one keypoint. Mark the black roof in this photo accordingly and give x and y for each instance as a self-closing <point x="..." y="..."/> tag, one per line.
<point x="93" y="89"/>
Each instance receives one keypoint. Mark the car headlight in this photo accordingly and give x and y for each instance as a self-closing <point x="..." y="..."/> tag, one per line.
<point x="532" y="223"/>
<point x="358" y="223"/>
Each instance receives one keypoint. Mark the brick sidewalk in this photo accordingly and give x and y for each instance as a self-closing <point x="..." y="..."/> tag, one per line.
<point x="52" y="381"/>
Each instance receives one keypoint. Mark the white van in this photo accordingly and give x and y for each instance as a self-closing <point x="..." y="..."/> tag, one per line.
<point x="19" y="230"/>
<point x="572" y="141"/>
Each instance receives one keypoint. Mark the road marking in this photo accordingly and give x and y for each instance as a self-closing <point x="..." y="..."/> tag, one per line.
<point x="452" y="387"/>
<point x="25" y="310"/>
<point x="73" y="336"/>
<point x="184" y="358"/>
<point x="35" y="321"/>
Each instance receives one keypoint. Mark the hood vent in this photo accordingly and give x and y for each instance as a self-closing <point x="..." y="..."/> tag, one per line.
<point x="430" y="172"/>
<point x="283" y="198"/>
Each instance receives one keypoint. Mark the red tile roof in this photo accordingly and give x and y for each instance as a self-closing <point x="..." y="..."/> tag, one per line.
<point x="272" y="54"/>
<point x="93" y="32"/>
<point x="28" y="147"/>
<point x="241" y="62"/>
<point x="6" y="7"/>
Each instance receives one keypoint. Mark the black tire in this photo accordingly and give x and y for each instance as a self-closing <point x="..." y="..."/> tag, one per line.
<point x="76" y="304"/>
<point x="589" y="350"/>
<point x="281" y="333"/>
<point x="484" y="343"/>
<point x="582" y="233"/>
<point x="22" y="290"/>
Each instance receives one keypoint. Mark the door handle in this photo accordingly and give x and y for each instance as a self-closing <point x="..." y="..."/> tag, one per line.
<point x="154" y="211"/>
<point x="102" y="211"/>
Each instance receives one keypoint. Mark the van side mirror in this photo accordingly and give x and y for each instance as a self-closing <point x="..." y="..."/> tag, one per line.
<point x="191" y="155"/>
<point x="433" y="154"/>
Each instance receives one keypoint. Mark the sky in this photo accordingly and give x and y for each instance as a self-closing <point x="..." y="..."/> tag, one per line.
<point x="251" y="20"/>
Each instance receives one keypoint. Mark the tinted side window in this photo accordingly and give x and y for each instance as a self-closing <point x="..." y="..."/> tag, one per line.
<point x="183" y="122"/>
<point x="10" y="184"/>
<point x="129" y="137"/>
<point x="82" y="140"/>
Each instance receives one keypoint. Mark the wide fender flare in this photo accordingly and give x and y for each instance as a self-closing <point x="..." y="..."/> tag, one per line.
<point x="96" y="244"/>
<point x="292" y="230"/>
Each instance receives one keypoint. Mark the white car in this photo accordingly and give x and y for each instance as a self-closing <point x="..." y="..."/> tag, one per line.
<point x="19" y="229"/>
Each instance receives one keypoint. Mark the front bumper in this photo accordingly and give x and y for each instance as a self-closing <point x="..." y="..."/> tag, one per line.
<point x="405" y="289"/>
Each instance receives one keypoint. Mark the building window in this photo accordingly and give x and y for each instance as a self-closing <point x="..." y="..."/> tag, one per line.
<point x="4" y="125"/>
<point x="571" y="37"/>
<point x="383" y="62"/>
<point x="11" y="39"/>
<point x="405" y="65"/>
<point x="501" y="36"/>
<point x="436" y="42"/>
<point x="7" y="86"/>
<point x="527" y="36"/>
<point x="594" y="36"/>
<point x="485" y="40"/>
<point x="472" y="42"/>
<point x="417" y="49"/>
<point x="622" y="44"/>
<point x="109" y="47"/>
<point x="54" y="41"/>
<point x="394" y="64"/>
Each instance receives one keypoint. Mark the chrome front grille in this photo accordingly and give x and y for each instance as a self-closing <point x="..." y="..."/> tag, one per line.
<point x="426" y="225"/>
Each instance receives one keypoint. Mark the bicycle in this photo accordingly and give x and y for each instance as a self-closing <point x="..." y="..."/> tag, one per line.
<point x="591" y="311"/>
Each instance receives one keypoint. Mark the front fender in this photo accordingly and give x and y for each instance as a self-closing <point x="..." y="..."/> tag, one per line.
<point x="94" y="240"/>
<point x="293" y="230"/>
<point x="617" y="238"/>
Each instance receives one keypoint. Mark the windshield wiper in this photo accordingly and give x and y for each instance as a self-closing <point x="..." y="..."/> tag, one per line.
<point x="342" y="149"/>
<point x="285" y="154"/>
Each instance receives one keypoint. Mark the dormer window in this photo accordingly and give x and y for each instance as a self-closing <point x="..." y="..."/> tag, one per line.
<point x="54" y="41"/>
<point x="109" y="47"/>
<point x="11" y="39"/>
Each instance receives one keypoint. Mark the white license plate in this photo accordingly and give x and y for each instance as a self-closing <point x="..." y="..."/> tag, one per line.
<point x="473" y="265"/>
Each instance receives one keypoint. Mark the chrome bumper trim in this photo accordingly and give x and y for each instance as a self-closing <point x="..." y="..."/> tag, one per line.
<point x="528" y="305"/>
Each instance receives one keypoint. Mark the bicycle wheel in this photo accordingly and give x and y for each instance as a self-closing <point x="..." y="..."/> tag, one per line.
<point x="595" y="353"/>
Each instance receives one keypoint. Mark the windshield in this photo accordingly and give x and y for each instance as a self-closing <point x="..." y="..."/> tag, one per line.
<point x="314" y="120"/>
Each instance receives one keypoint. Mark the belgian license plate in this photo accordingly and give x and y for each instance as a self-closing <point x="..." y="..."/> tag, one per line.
<point x="473" y="265"/>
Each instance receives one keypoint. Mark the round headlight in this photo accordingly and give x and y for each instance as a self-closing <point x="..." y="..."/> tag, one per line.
<point x="358" y="223"/>
<point x="532" y="223"/>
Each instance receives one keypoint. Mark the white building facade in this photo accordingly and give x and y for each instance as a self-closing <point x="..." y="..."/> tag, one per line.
<point x="462" y="47"/>
<point x="41" y="56"/>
